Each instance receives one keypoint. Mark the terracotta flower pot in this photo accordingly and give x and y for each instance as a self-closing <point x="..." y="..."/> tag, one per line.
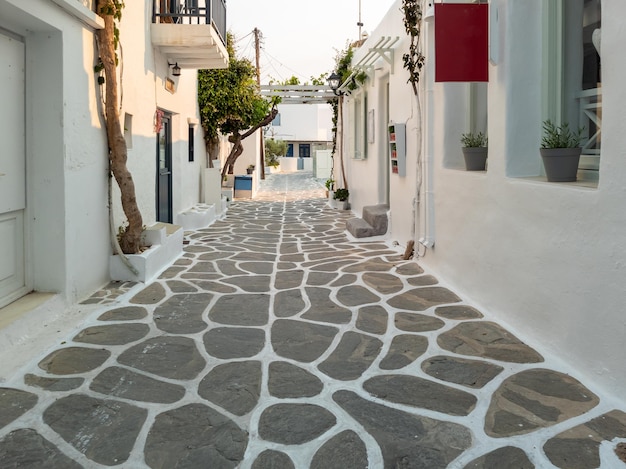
<point x="561" y="164"/>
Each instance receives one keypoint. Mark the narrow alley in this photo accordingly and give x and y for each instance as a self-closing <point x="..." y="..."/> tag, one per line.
<point x="276" y="341"/>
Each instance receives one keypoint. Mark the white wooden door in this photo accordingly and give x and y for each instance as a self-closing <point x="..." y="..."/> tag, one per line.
<point x="12" y="170"/>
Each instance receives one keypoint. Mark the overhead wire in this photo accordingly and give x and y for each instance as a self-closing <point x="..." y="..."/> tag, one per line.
<point x="267" y="60"/>
<point x="300" y="75"/>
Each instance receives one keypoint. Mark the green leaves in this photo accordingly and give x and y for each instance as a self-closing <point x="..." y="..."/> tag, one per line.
<point x="112" y="8"/>
<point x="414" y="60"/>
<point x="342" y="194"/>
<point x="229" y="99"/>
<point x="275" y="147"/>
<point x="474" y="140"/>
<point x="561" y="136"/>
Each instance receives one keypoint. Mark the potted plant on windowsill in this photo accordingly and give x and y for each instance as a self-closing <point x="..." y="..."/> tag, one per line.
<point x="250" y="169"/>
<point x="342" y="196"/>
<point x="474" y="151"/>
<point x="560" y="151"/>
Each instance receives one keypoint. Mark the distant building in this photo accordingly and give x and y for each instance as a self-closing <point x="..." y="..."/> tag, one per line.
<point x="305" y="127"/>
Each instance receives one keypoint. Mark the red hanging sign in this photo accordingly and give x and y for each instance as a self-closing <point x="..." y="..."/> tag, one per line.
<point x="461" y="42"/>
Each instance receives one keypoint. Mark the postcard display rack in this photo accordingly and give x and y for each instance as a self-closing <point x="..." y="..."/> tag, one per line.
<point x="397" y="148"/>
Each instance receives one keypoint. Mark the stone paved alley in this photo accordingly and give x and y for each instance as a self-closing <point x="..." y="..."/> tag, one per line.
<point x="277" y="342"/>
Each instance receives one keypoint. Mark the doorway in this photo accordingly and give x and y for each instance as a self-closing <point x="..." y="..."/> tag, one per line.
<point x="164" y="171"/>
<point x="12" y="170"/>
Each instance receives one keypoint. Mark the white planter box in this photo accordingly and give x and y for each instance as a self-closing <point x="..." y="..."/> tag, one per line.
<point x="212" y="187"/>
<point x="167" y="246"/>
<point x="197" y="217"/>
<point x="331" y="199"/>
<point x="227" y="195"/>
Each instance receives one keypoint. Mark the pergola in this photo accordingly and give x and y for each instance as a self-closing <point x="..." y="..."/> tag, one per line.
<point x="299" y="94"/>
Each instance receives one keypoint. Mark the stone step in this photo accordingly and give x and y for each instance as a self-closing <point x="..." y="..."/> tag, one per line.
<point x="359" y="228"/>
<point x="376" y="216"/>
<point x="373" y="223"/>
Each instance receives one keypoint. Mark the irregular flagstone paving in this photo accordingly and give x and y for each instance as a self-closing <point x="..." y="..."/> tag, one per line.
<point x="275" y="341"/>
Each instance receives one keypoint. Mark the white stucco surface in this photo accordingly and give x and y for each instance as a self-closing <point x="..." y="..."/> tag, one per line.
<point x="303" y="122"/>
<point x="547" y="258"/>
<point x="67" y="227"/>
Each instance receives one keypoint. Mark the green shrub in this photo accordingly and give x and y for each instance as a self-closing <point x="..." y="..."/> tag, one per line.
<point x="560" y="136"/>
<point x="474" y="140"/>
<point x="342" y="194"/>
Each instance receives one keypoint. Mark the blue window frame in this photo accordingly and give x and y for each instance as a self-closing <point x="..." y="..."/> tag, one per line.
<point x="304" y="150"/>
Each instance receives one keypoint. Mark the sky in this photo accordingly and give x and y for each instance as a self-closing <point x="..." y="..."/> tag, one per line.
<point x="300" y="38"/>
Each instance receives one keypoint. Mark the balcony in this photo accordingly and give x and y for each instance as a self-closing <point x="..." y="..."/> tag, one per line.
<point x="191" y="33"/>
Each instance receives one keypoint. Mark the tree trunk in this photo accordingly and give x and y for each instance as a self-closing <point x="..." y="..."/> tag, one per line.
<point x="235" y="152"/>
<point x="130" y="239"/>
<point x="236" y="139"/>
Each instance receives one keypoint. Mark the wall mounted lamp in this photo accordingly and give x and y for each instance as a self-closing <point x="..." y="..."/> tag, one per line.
<point x="175" y="69"/>
<point x="334" y="81"/>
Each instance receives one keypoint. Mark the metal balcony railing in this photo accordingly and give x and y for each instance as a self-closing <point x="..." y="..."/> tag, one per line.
<point x="211" y="12"/>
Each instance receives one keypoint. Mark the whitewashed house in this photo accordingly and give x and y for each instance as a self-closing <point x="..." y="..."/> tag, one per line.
<point x="547" y="258"/>
<point x="306" y="128"/>
<point x="54" y="216"/>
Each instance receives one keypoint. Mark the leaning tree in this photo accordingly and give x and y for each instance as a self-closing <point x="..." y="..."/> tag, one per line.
<point x="107" y="41"/>
<point x="231" y="104"/>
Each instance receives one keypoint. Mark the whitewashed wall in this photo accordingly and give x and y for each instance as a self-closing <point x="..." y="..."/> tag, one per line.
<point x="367" y="178"/>
<point x="303" y="122"/>
<point x="143" y="82"/>
<point x="250" y="155"/>
<point x="68" y="236"/>
<point x="547" y="259"/>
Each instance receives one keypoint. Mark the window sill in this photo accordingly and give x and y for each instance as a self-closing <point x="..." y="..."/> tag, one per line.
<point x="586" y="178"/>
<point x="463" y="170"/>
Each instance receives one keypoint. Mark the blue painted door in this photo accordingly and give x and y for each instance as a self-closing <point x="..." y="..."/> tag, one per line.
<point x="164" y="171"/>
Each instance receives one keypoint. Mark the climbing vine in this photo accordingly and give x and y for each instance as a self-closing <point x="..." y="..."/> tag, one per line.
<point x="113" y="8"/>
<point x="413" y="60"/>
<point x="107" y="41"/>
<point x="343" y="68"/>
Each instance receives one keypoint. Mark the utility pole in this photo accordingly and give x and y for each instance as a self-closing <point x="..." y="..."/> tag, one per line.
<point x="257" y="48"/>
<point x="360" y="23"/>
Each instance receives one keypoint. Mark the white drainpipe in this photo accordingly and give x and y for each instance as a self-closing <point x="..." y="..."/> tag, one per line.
<point x="426" y="200"/>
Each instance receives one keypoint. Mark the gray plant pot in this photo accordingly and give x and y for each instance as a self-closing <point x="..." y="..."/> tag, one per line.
<point x="475" y="158"/>
<point x="561" y="164"/>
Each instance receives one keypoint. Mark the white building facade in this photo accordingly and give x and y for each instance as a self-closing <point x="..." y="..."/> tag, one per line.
<point x="305" y="127"/>
<point x="55" y="234"/>
<point x="546" y="258"/>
